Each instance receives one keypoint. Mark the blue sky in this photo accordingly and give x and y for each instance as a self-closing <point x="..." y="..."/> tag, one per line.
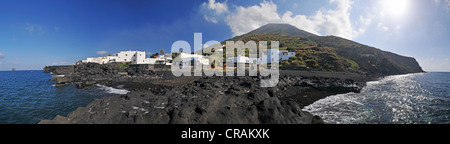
<point x="34" y="33"/>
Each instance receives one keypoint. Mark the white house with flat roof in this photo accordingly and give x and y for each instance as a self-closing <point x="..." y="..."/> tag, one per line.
<point x="270" y="56"/>
<point x="135" y="57"/>
<point x="188" y="59"/>
<point x="99" y="60"/>
<point x="285" y="55"/>
<point x="239" y="59"/>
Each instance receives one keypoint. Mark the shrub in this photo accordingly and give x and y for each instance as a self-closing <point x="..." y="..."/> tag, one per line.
<point x="124" y="65"/>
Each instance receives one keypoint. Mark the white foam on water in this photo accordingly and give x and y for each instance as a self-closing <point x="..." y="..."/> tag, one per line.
<point x="336" y="108"/>
<point x="112" y="90"/>
<point x="58" y="76"/>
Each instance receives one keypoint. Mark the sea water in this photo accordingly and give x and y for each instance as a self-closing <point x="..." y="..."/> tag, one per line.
<point x="422" y="98"/>
<point x="26" y="97"/>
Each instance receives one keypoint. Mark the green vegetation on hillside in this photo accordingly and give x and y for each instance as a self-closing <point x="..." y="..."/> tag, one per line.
<point x="329" y="53"/>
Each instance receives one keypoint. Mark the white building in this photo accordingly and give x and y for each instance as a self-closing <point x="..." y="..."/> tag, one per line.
<point x="270" y="56"/>
<point x="161" y="59"/>
<point x="111" y="58"/>
<point x="253" y="59"/>
<point x="188" y="59"/>
<point x="99" y="60"/>
<point x="285" y="55"/>
<point x="239" y="59"/>
<point x="135" y="57"/>
<point x="168" y="58"/>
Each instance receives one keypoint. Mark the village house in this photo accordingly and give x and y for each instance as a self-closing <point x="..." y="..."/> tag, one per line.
<point x="139" y="57"/>
<point x="134" y="57"/>
<point x="189" y="59"/>
<point x="270" y="56"/>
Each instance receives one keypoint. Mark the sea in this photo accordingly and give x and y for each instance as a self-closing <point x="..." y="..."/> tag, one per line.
<point x="421" y="98"/>
<point x="26" y="97"/>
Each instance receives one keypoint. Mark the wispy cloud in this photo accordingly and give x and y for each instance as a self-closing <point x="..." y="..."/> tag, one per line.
<point x="382" y="27"/>
<point x="446" y="3"/>
<point x="2" y="55"/>
<point x="102" y="52"/>
<point x="210" y="19"/>
<point x="59" y="63"/>
<point x="218" y="7"/>
<point x="35" y="28"/>
<point x="214" y="10"/>
<point x="56" y="28"/>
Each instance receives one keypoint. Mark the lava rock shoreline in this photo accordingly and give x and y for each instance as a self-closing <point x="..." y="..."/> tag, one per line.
<point x="157" y="97"/>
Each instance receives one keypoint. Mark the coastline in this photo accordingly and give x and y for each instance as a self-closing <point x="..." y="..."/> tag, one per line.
<point x="158" y="97"/>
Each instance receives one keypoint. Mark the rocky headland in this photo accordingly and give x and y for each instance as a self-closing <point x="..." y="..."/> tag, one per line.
<point x="157" y="97"/>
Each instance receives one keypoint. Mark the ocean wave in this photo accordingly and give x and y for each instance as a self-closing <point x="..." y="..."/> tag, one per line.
<point x="112" y="90"/>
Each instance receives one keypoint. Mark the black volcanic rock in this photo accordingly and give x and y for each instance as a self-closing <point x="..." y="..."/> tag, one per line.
<point x="212" y="100"/>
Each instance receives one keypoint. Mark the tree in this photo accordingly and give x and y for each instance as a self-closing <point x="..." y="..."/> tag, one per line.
<point x="175" y="55"/>
<point x="155" y="55"/>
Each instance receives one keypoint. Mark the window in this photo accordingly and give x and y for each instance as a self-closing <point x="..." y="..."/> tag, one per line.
<point x="126" y="54"/>
<point x="125" y="60"/>
<point x="140" y="54"/>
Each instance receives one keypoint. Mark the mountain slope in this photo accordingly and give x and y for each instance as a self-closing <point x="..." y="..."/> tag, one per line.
<point x="370" y="59"/>
<point x="280" y="29"/>
<point x="330" y="53"/>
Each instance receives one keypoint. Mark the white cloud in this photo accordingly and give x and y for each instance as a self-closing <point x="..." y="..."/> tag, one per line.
<point x="382" y="27"/>
<point x="328" y="22"/>
<point x="2" y="55"/>
<point x="210" y="19"/>
<point x="363" y="22"/>
<point x="253" y="17"/>
<point x="445" y="2"/>
<point x="56" y="28"/>
<point x="35" y="28"/>
<point x="214" y="10"/>
<point x="1" y="62"/>
<point x="218" y="7"/>
<point x="102" y="52"/>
